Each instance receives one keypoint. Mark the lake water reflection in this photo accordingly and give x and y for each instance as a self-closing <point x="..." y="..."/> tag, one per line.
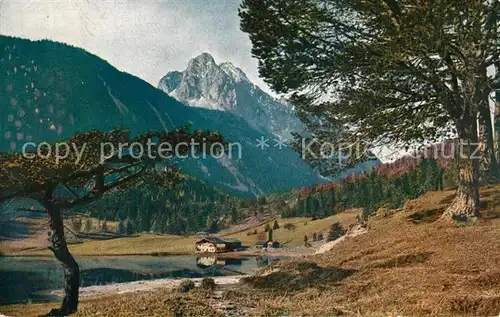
<point x="31" y="279"/>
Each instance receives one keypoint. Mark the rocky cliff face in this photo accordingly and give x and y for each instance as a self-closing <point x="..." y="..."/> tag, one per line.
<point x="225" y="87"/>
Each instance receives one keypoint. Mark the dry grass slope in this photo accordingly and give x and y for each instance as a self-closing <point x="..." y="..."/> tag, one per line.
<point x="303" y="226"/>
<point x="406" y="267"/>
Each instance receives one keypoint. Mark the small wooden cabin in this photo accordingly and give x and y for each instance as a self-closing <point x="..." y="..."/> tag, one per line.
<point x="217" y="245"/>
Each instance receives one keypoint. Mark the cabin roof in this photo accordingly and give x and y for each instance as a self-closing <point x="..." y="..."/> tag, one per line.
<point x="218" y="240"/>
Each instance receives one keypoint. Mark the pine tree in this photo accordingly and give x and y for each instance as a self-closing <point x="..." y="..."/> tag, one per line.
<point x="379" y="64"/>
<point x="336" y="231"/>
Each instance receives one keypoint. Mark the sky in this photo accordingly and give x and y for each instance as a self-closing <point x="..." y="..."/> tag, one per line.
<point x="145" y="38"/>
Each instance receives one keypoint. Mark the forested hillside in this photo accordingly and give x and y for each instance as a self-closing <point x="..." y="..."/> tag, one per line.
<point x="368" y="191"/>
<point x="190" y="207"/>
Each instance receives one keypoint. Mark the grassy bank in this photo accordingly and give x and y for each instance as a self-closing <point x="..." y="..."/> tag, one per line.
<point x="160" y="244"/>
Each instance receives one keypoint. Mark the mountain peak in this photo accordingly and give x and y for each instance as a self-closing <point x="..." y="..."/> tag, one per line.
<point x="204" y="58"/>
<point x="201" y="64"/>
<point x="225" y="87"/>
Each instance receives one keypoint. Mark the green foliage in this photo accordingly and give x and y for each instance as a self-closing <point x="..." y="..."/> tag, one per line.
<point x="182" y="209"/>
<point x="389" y="71"/>
<point x="372" y="191"/>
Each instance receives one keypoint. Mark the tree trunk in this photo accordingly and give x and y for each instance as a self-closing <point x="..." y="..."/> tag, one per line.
<point x="487" y="143"/>
<point x="466" y="203"/>
<point x="60" y="249"/>
<point x="489" y="166"/>
<point x="497" y="109"/>
<point x="497" y="121"/>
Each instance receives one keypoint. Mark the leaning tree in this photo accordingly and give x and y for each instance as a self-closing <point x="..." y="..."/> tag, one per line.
<point x="108" y="162"/>
<point x="384" y="72"/>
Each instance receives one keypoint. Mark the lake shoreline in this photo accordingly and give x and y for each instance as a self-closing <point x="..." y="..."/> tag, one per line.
<point x="230" y="255"/>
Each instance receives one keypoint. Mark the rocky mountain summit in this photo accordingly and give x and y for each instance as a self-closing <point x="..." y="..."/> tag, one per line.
<point x="225" y="87"/>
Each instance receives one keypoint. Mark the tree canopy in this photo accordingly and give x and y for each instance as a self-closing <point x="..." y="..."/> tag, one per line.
<point x="81" y="178"/>
<point x="364" y="73"/>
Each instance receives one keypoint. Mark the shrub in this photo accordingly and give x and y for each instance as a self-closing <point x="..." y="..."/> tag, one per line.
<point x="186" y="286"/>
<point x="207" y="284"/>
<point x="315" y="237"/>
<point x="320" y="237"/>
